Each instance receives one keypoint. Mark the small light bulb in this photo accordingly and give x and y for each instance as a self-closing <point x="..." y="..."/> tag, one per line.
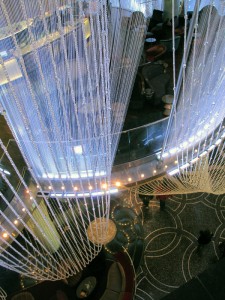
<point x="5" y="235"/>
<point x="118" y="183"/>
<point x="129" y="179"/>
<point x="142" y="175"/>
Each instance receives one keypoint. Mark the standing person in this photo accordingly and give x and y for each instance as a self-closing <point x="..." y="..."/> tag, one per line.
<point x="161" y="197"/>
<point x="145" y="199"/>
<point x="162" y="201"/>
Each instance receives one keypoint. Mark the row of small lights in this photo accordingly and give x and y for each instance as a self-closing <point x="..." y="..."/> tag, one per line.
<point x="104" y="186"/>
<point x="194" y="160"/>
<point x="188" y="144"/>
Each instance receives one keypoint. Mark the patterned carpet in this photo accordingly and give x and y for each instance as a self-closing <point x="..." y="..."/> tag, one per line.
<point x="171" y="256"/>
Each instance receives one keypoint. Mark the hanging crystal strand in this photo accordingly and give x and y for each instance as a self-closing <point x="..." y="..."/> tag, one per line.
<point x="3" y="294"/>
<point x="203" y="63"/>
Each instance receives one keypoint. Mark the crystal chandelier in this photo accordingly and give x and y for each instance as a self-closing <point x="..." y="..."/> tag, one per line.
<point x="67" y="69"/>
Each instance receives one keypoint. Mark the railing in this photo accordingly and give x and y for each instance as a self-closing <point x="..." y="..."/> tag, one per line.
<point x="140" y="142"/>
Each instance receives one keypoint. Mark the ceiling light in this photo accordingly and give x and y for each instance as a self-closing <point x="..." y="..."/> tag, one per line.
<point x="78" y="149"/>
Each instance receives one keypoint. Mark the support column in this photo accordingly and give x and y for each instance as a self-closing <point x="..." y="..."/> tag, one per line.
<point x="48" y="234"/>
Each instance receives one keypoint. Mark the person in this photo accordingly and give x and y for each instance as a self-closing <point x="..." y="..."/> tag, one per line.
<point x="162" y="201"/>
<point x="205" y="237"/>
<point x="161" y="198"/>
<point x="145" y="199"/>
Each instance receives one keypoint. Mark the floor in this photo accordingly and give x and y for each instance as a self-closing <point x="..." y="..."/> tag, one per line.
<point x="171" y="256"/>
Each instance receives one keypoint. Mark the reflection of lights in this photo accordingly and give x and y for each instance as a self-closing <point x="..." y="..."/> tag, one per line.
<point x="85" y="194"/>
<point x="185" y="166"/>
<point x="82" y="174"/>
<point x="176" y="162"/>
<point x="49" y="187"/>
<point x="27" y="191"/>
<point x="183" y="145"/>
<point x="194" y="160"/>
<point x="218" y="141"/>
<point x="5" y="171"/>
<point x="166" y="154"/>
<point x="38" y="186"/>
<point x="191" y="139"/>
<point x="50" y="175"/>
<point x="173" y="150"/>
<point x="16" y="222"/>
<point x="90" y="187"/>
<point x="104" y="185"/>
<point x="63" y="187"/>
<point x="199" y="133"/>
<point x="23" y="209"/>
<point x="142" y="175"/>
<point x="173" y="172"/>
<point x="129" y="179"/>
<point x="166" y="167"/>
<point x="211" y="147"/>
<point x="75" y="188"/>
<point x="203" y="153"/>
<point x="206" y="126"/>
<point x="154" y="171"/>
<point x="118" y="183"/>
<point x="196" y="150"/>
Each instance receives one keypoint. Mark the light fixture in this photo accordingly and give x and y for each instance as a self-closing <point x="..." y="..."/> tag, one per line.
<point x="184" y="166"/>
<point x="173" y="172"/>
<point x="5" y="235"/>
<point x="78" y="149"/>
<point x="173" y="150"/>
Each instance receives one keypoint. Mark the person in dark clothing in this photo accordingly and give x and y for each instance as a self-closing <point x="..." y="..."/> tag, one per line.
<point x="145" y="199"/>
<point x="205" y="237"/>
